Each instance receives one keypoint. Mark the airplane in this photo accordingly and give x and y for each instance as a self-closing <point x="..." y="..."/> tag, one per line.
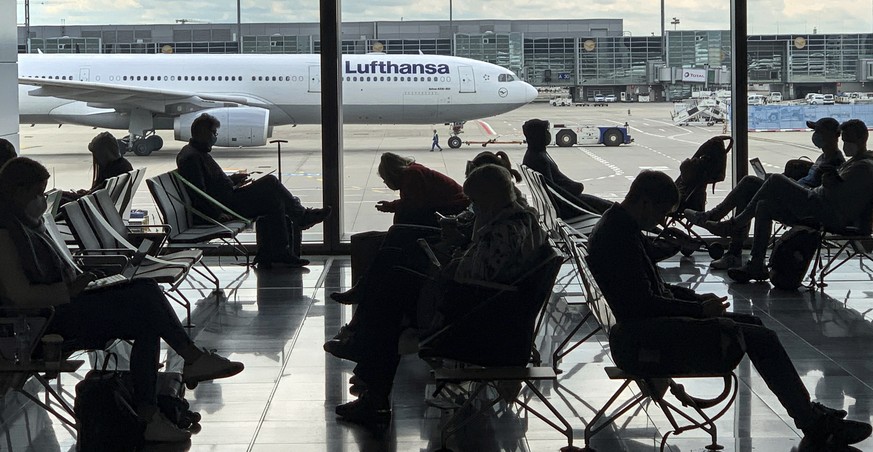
<point x="251" y="94"/>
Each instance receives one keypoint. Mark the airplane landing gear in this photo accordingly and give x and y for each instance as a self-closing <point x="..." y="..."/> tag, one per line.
<point x="457" y="129"/>
<point x="141" y="146"/>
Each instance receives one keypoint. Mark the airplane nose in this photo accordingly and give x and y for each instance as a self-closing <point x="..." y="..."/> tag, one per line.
<point x="530" y="93"/>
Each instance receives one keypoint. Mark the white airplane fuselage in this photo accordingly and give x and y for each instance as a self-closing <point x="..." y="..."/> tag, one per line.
<point x="377" y="88"/>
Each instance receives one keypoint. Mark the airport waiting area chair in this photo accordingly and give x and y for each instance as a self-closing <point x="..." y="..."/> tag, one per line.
<point x="654" y="381"/>
<point x="171" y="194"/>
<point x="544" y="200"/>
<point x="491" y="346"/>
<point x="95" y="235"/>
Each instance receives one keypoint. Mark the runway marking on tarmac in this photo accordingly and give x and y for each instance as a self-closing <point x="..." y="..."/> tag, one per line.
<point x="616" y="171"/>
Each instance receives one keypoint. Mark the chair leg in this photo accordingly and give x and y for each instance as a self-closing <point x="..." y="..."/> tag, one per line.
<point x="591" y="430"/>
<point x="567" y="430"/>
<point x="559" y="351"/>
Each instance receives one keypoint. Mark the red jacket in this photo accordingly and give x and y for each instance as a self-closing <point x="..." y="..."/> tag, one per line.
<point x="424" y="191"/>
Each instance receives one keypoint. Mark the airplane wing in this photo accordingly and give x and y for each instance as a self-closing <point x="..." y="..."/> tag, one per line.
<point x="102" y="95"/>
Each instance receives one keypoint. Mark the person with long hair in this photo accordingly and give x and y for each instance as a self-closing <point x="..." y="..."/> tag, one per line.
<point x="37" y="273"/>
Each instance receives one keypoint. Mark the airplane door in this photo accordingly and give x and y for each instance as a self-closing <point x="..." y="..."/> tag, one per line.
<point x="84" y="74"/>
<point x="314" y="79"/>
<point x="468" y="82"/>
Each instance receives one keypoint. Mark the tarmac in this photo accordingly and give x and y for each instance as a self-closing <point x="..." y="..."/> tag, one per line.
<point x="606" y="171"/>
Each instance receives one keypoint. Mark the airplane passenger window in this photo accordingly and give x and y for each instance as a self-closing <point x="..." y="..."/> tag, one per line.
<point x="368" y="79"/>
<point x="253" y="78"/>
<point x="172" y="78"/>
<point x="125" y="78"/>
<point x="274" y="78"/>
<point x="199" y="78"/>
<point x="260" y="78"/>
<point x="165" y="78"/>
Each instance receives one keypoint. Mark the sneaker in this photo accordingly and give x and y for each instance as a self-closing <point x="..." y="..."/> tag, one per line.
<point x="749" y="271"/>
<point x="314" y="216"/>
<point x="818" y="407"/>
<point x="694" y="217"/>
<point x="345" y="348"/>
<point x="726" y="262"/>
<point x="720" y="228"/>
<point x="210" y="366"/>
<point x="831" y="431"/>
<point x="160" y="429"/>
<point x="365" y="410"/>
<point x="348" y="297"/>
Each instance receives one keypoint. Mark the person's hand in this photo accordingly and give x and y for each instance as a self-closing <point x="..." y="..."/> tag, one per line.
<point x="709" y="296"/>
<point x="76" y="286"/>
<point x="385" y="206"/>
<point x="239" y="178"/>
<point x="714" y="307"/>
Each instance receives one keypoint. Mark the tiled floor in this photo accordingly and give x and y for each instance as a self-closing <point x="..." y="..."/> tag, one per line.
<point x="275" y="322"/>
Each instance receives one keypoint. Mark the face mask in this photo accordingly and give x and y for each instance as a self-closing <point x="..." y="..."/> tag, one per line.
<point x="36" y="208"/>
<point x="212" y="140"/>
<point x="817" y="140"/>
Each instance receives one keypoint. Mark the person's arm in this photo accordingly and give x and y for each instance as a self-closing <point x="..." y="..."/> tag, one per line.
<point x="492" y="252"/>
<point x="622" y="272"/>
<point x="193" y="169"/>
<point x="15" y="288"/>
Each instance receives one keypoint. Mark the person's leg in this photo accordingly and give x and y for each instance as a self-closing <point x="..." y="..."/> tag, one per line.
<point x="821" y="425"/>
<point x="773" y="363"/>
<point x="738" y="198"/>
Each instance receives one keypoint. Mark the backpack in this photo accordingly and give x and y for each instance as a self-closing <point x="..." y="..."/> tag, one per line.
<point x="707" y="166"/>
<point x="791" y="256"/>
<point x="107" y="419"/>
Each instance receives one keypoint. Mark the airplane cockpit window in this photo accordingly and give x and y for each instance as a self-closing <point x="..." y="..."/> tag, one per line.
<point x="505" y="78"/>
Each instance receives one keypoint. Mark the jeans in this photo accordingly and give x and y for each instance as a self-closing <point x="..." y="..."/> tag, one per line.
<point x="784" y="200"/>
<point x="275" y="207"/>
<point x="738" y="198"/>
<point x="136" y="311"/>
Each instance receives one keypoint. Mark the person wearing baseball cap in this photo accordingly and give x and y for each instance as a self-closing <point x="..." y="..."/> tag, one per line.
<point x="826" y="136"/>
<point x="840" y="203"/>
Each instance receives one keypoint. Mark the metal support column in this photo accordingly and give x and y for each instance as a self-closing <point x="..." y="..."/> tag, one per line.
<point x="331" y="120"/>
<point x="739" y="89"/>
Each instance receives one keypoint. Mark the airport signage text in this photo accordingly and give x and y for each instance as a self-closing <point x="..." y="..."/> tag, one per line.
<point x="387" y="67"/>
<point x="694" y="75"/>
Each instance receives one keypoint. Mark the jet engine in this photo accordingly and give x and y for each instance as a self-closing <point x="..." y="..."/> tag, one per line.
<point x="240" y="126"/>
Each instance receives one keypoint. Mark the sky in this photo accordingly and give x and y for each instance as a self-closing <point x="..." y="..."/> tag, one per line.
<point x="641" y="17"/>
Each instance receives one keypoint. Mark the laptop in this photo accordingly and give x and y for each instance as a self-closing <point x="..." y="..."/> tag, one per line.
<point x="758" y="167"/>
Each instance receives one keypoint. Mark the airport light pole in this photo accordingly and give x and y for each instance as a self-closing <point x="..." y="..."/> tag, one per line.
<point x="451" y="28"/>
<point x="675" y="22"/>
<point x="239" y="28"/>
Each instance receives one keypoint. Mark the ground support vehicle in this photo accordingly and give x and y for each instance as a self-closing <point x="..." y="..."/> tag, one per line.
<point x="586" y="135"/>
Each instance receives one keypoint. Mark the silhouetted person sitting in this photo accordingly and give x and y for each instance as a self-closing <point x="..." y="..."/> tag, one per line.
<point x="7" y="151"/>
<point x="423" y="191"/>
<point x="282" y="217"/>
<point x="826" y="136"/>
<point x="400" y="246"/>
<point x="36" y="273"/>
<point x="844" y="200"/>
<point x="537" y="135"/>
<point x="633" y="288"/>
<point x="107" y="162"/>
<point x="507" y="238"/>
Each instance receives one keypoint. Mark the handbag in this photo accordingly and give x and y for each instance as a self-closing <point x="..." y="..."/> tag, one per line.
<point x="797" y="168"/>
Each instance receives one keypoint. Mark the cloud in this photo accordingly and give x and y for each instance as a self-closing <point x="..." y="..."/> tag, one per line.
<point x="639" y="17"/>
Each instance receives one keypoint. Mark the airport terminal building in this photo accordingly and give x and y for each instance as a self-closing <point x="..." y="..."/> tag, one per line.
<point x="589" y="56"/>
